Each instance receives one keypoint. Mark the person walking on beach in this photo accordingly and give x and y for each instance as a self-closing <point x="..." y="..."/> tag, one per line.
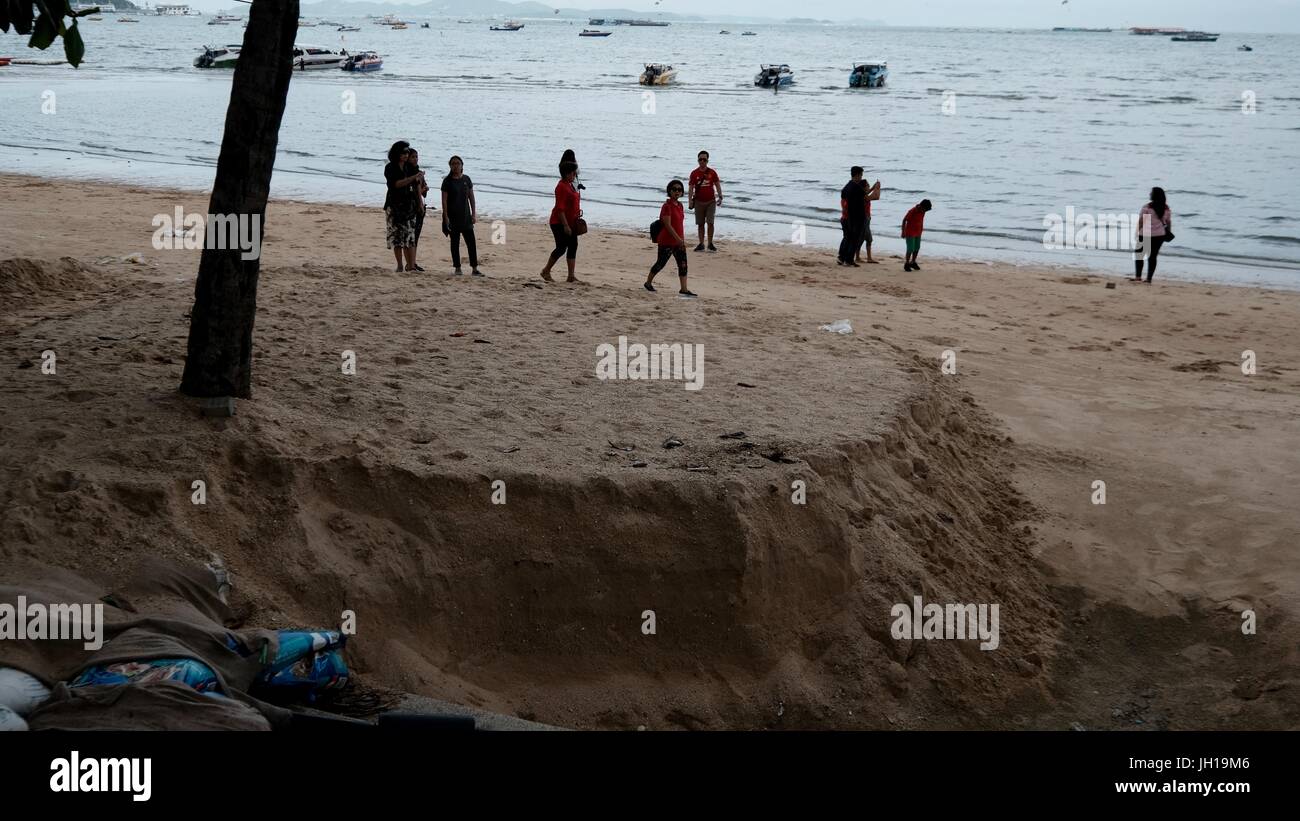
<point x="671" y="239"/>
<point x="565" y="221"/>
<point x="853" y="216"/>
<point x="1155" y="228"/>
<point x="459" y="213"/>
<point x="706" y="196"/>
<point x="913" y="226"/>
<point x="421" y="191"/>
<point x="873" y="193"/>
<point x="399" y="205"/>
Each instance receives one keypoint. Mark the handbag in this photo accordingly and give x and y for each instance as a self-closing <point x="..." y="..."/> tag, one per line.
<point x="579" y="227"/>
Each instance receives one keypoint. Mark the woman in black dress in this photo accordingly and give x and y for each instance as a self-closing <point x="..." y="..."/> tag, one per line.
<point x="459" y="213"/>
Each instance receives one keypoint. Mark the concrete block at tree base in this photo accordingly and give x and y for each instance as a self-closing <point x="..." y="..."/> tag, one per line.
<point x="218" y="406"/>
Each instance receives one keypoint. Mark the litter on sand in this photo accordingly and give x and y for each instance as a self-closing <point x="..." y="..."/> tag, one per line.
<point x="839" y="326"/>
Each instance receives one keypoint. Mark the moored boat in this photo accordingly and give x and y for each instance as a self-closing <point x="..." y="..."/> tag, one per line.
<point x="218" y="57"/>
<point x="509" y="25"/>
<point x="594" y="33"/>
<point x="362" y="61"/>
<point x="1244" y="47"/>
<point x="312" y="58"/>
<point x="349" y="28"/>
<point x="869" y="74"/>
<point x="657" y="74"/>
<point x="1196" y="37"/>
<point x="774" y="75"/>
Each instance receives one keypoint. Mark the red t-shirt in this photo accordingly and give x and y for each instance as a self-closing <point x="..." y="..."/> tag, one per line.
<point x="568" y="201"/>
<point x="702" y="182"/>
<point x="672" y="214"/>
<point x="914" y="222"/>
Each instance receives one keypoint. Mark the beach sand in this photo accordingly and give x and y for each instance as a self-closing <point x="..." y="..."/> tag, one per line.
<point x="373" y="492"/>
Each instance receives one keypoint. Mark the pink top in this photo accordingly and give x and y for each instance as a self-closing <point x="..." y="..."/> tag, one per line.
<point x="1159" y="224"/>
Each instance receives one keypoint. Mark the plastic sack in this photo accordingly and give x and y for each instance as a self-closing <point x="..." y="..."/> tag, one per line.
<point x="307" y="663"/>
<point x="187" y="671"/>
<point x="21" y="692"/>
<point x="839" y="326"/>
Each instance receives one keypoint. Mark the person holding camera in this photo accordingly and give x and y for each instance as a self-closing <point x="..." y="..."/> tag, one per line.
<point x="400" y="205"/>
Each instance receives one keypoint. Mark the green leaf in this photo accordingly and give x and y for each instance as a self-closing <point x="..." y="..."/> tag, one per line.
<point x="43" y="33"/>
<point x="73" y="48"/>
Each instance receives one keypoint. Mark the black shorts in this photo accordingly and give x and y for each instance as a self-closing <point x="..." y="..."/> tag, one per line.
<point x="566" y="243"/>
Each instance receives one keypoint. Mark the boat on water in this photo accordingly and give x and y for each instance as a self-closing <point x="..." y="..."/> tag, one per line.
<point x="228" y="18"/>
<point x="313" y="58"/>
<point x="362" y="61"/>
<point x="594" y="33"/>
<point x="773" y="75"/>
<point x="349" y="28"/>
<point x="596" y="21"/>
<point x="305" y="24"/>
<point x="869" y="74"/>
<point x="509" y="25"/>
<point x="218" y="57"/>
<point x="1150" y="32"/>
<point x="1244" y="47"/>
<point x="215" y="22"/>
<point x="724" y="31"/>
<point x="464" y="21"/>
<point x="1081" y="29"/>
<point x="657" y="74"/>
<point x="398" y="27"/>
<point x="424" y="25"/>
<point x="127" y="20"/>
<point x="749" y="34"/>
<point x="1196" y="37"/>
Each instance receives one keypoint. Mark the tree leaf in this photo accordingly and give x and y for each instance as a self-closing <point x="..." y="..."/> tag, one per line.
<point x="73" y="48"/>
<point x="43" y="33"/>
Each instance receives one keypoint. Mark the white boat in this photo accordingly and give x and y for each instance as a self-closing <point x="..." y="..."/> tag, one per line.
<point x="349" y="28"/>
<point x="509" y="25"/>
<point x="1195" y="37"/>
<point x="387" y="20"/>
<point x="218" y="57"/>
<point x="773" y="75"/>
<point x="594" y="33"/>
<point x="362" y="61"/>
<point x="311" y="58"/>
<point x="228" y="18"/>
<point x="127" y="20"/>
<point x="398" y="26"/>
<point x="215" y="22"/>
<point x="657" y="74"/>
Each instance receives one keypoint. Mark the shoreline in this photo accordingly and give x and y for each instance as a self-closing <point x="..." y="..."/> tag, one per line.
<point x="826" y="248"/>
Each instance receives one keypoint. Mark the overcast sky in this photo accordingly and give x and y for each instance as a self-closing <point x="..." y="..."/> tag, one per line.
<point x="1213" y="15"/>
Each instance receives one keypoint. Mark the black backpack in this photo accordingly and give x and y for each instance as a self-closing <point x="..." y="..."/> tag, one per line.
<point x="655" y="228"/>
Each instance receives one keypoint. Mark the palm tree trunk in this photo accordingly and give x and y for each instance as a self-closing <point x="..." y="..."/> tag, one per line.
<point x="220" y="352"/>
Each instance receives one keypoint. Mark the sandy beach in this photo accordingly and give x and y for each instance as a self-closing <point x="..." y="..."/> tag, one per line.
<point x="373" y="491"/>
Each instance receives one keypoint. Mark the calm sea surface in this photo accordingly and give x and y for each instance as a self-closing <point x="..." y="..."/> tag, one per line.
<point x="998" y="128"/>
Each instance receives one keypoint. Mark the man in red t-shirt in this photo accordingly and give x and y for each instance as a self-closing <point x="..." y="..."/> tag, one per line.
<point x="671" y="239"/>
<point x="706" y="196"/>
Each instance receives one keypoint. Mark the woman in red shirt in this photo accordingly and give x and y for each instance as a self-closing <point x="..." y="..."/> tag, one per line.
<point x="564" y="221"/>
<point x="671" y="239"/>
<point x="913" y="226"/>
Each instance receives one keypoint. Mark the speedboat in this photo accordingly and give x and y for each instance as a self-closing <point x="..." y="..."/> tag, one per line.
<point x="594" y="33"/>
<point x="724" y="31"/>
<point x="868" y="75"/>
<point x="218" y="57"/>
<point x="1195" y="37"/>
<point x="228" y="18"/>
<point x="774" y="75"/>
<point x="349" y="28"/>
<point x="217" y="22"/>
<point x="1244" y="47"/>
<point x="509" y="25"/>
<point x="362" y="61"/>
<point x="398" y="27"/>
<point x="310" y="58"/>
<point x="657" y="74"/>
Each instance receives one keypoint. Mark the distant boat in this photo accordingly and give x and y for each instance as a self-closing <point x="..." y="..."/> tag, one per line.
<point x="349" y="28"/>
<point x="868" y="75"/>
<point x="464" y="21"/>
<point x="305" y="24"/>
<point x="596" y="21"/>
<point x="773" y="75"/>
<point x="362" y="61"/>
<point x="424" y="25"/>
<point x="398" y="27"/>
<point x="748" y="34"/>
<point x="1244" y="47"/>
<point x="594" y="33"/>
<point x="509" y="25"/>
<point x="215" y="22"/>
<point x="127" y="20"/>
<point x="724" y="31"/>
<point x="1079" y="29"/>
<point x="228" y="18"/>
<point x="1148" y="32"/>
<point x="1195" y="37"/>
<point x="657" y="74"/>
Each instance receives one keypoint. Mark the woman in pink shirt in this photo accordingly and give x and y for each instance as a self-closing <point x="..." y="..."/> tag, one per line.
<point x="1155" y="228"/>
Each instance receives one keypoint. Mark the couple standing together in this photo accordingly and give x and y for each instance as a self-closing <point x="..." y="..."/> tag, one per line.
<point x="404" y="208"/>
<point x="855" y="218"/>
